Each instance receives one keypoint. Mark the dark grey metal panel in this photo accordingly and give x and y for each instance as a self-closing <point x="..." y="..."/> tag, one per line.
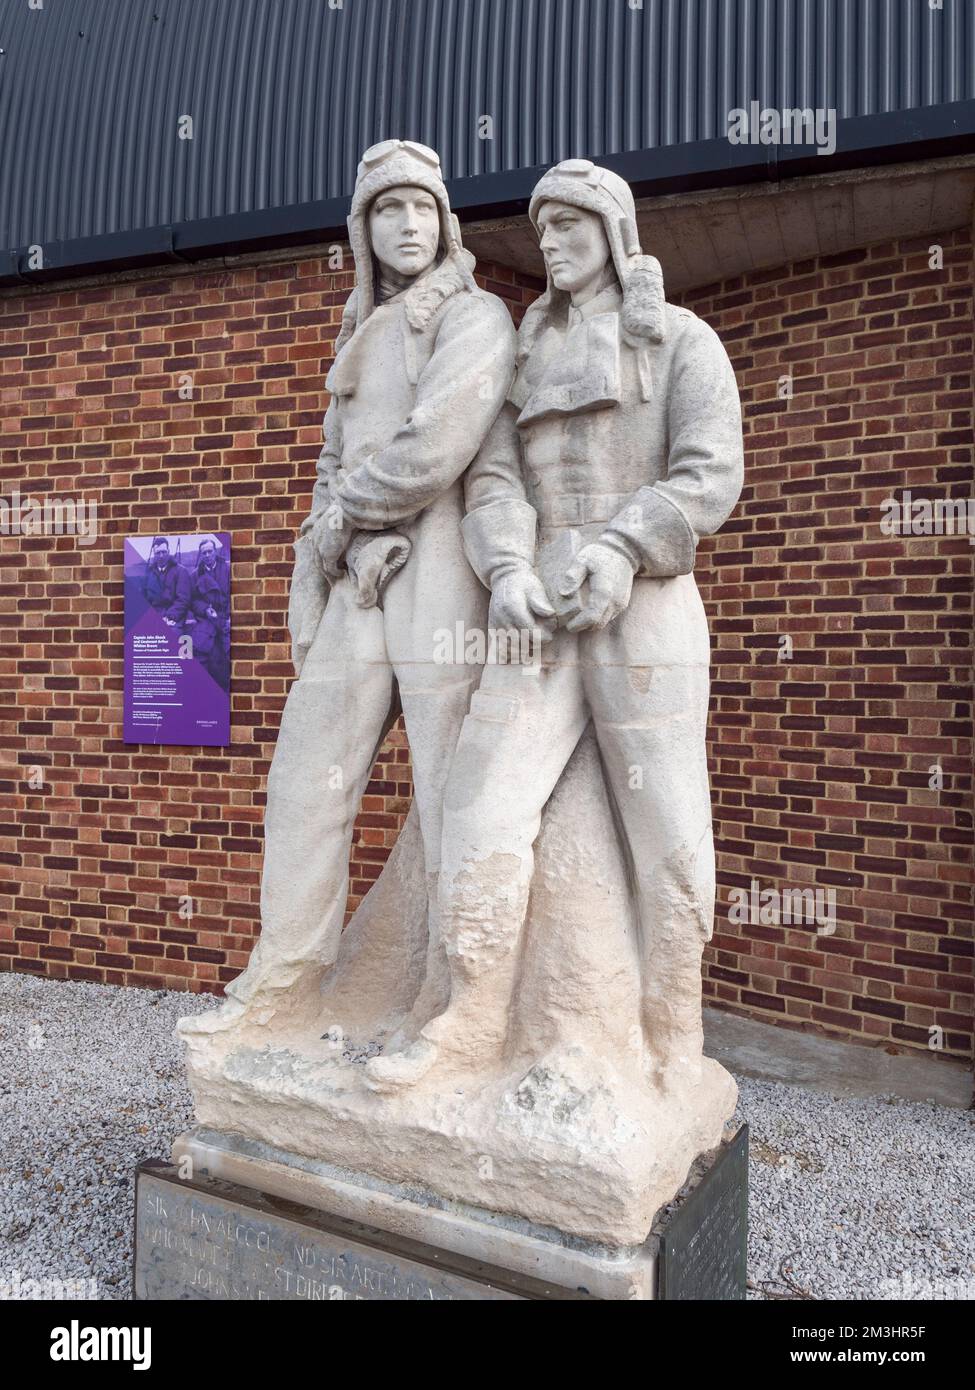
<point x="284" y="94"/>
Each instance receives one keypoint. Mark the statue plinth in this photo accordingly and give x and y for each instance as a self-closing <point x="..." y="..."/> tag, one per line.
<point x="596" y="1163"/>
<point x="234" y="1219"/>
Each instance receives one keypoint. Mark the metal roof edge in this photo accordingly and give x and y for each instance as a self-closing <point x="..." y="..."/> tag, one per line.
<point x="862" y="142"/>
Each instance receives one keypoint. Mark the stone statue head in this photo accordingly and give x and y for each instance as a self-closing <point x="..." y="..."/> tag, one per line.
<point x="404" y="229"/>
<point x="576" y="250"/>
<point x="585" y="218"/>
<point x="400" y="216"/>
<point x="587" y="187"/>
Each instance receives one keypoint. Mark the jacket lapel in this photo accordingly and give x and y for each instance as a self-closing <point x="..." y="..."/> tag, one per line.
<point x="420" y="304"/>
<point x="583" y="375"/>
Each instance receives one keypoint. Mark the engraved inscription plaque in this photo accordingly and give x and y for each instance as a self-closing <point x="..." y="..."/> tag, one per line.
<point x="206" y="1239"/>
<point x="703" y="1248"/>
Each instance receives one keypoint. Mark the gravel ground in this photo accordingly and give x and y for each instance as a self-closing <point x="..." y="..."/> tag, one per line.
<point x="850" y="1198"/>
<point x="858" y="1198"/>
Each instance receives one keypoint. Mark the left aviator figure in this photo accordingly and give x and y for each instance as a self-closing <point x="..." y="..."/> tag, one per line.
<point x="423" y="363"/>
<point x="168" y="587"/>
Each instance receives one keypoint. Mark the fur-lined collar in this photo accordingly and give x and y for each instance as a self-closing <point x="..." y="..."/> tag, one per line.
<point x="452" y="276"/>
<point x="422" y="300"/>
<point x="644" y="305"/>
<point x="643" y="314"/>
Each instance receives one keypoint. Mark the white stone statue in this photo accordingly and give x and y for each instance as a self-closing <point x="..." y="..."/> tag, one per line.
<point x="423" y="362"/>
<point x="512" y="1020"/>
<point x="619" y="446"/>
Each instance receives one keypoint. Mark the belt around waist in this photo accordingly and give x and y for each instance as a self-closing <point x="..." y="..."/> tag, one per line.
<point x="577" y="510"/>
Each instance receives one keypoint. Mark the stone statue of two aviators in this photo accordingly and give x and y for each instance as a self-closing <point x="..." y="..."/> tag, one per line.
<point x="563" y="478"/>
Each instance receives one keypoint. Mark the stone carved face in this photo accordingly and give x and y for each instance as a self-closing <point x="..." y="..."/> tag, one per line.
<point x="404" y="229"/>
<point x="574" y="244"/>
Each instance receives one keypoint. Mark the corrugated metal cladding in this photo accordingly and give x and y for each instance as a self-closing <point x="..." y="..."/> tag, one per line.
<point x="284" y="94"/>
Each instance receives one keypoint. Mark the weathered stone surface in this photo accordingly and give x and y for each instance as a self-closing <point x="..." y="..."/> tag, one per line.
<point x="521" y="1247"/>
<point x="209" y="1239"/>
<point x="513" y="1019"/>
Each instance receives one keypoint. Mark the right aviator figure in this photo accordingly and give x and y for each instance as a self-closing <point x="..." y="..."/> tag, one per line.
<point x="619" y="446"/>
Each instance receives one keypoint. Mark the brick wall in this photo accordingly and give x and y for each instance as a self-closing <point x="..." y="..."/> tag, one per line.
<point x="820" y="764"/>
<point x="94" y="862"/>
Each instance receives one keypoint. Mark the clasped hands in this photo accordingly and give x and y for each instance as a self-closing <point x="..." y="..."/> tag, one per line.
<point x="519" y="600"/>
<point x="330" y="536"/>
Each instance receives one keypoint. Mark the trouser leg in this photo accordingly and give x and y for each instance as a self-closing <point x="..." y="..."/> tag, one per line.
<point x="650" y="726"/>
<point x="521" y="730"/>
<point x="335" y="720"/>
<point x="435" y="700"/>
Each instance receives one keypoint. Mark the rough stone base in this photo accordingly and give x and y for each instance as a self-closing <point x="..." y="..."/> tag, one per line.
<point x="570" y="1144"/>
<point x="518" y="1246"/>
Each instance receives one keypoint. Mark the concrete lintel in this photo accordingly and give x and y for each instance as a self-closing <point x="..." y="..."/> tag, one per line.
<point x="717" y="234"/>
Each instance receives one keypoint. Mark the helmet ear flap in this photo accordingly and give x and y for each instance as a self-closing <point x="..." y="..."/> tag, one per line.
<point x="629" y="237"/>
<point x="455" y="230"/>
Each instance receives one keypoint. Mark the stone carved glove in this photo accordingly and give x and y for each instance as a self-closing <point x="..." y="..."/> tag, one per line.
<point x="499" y="539"/>
<point x="519" y="601"/>
<point x="330" y="536"/>
<point x="610" y="575"/>
<point x="372" y="559"/>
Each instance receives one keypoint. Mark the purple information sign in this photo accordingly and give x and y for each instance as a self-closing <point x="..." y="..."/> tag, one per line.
<point x="177" y="640"/>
